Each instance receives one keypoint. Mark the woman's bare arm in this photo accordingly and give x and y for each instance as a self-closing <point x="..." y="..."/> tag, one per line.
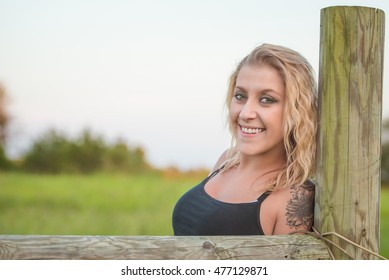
<point x="297" y="213"/>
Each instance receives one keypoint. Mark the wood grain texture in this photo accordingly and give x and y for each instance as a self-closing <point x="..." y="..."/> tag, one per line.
<point x="349" y="136"/>
<point x="301" y="247"/>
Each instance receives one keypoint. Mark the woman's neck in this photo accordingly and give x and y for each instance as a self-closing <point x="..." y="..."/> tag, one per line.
<point x="255" y="164"/>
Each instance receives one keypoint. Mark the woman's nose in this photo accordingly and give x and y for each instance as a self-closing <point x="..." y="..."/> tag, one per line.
<point x="248" y="110"/>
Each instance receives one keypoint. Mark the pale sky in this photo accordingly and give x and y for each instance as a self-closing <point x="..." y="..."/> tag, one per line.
<point x="152" y="72"/>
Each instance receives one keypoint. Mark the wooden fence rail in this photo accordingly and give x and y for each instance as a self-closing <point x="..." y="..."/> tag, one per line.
<point x="299" y="247"/>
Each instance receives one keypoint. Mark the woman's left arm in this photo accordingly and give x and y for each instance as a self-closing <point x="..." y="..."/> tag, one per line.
<point x="296" y="212"/>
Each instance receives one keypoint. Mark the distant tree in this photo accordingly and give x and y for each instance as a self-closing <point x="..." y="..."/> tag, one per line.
<point x="4" y="116"/>
<point x="4" y="162"/>
<point x="4" y="122"/>
<point x="137" y="159"/>
<point x="385" y="152"/>
<point x="89" y="152"/>
<point x="117" y="157"/>
<point x="49" y="153"/>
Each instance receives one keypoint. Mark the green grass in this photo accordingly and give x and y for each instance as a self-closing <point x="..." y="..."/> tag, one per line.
<point x="384" y="245"/>
<point x="104" y="204"/>
<point x="101" y="204"/>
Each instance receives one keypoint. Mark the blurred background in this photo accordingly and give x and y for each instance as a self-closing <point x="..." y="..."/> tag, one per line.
<point x="110" y="110"/>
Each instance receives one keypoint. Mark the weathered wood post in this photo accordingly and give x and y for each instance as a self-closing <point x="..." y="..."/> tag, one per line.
<point x="349" y="136"/>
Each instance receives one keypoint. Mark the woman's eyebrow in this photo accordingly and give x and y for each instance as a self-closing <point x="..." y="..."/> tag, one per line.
<point x="240" y="88"/>
<point x="260" y="91"/>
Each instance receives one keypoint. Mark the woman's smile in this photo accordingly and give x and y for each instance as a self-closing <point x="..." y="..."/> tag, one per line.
<point x="251" y="131"/>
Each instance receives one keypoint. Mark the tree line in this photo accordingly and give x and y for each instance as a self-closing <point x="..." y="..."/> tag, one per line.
<point x="54" y="152"/>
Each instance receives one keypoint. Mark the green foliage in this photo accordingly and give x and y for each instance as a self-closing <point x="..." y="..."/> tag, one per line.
<point x="385" y="152"/>
<point x="385" y="164"/>
<point x="5" y="164"/>
<point x="53" y="152"/>
<point x="119" y="157"/>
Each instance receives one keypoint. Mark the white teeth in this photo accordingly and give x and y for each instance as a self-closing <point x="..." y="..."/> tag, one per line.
<point x="252" y="130"/>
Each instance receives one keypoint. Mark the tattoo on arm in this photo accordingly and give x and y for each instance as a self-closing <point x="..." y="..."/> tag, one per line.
<point x="299" y="211"/>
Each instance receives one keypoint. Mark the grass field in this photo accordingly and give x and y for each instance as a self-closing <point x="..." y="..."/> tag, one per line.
<point x="103" y="204"/>
<point x="384" y="246"/>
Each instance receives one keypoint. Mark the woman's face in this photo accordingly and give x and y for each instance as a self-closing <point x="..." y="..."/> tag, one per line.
<point x="257" y="111"/>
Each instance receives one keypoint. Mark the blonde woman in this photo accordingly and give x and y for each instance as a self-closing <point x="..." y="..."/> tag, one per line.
<point x="261" y="184"/>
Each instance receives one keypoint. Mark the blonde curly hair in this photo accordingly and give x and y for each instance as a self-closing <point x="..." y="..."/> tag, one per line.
<point x="300" y="123"/>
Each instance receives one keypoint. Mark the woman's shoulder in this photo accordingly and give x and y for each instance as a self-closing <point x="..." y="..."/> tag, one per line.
<point x="304" y="190"/>
<point x="301" y="190"/>
<point x="296" y="207"/>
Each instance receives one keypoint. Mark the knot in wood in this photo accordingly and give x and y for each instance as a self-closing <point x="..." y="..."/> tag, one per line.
<point x="208" y="245"/>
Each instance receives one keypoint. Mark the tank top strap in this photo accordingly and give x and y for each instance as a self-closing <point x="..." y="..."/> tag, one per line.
<point x="263" y="197"/>
<point x="214" y="173"/>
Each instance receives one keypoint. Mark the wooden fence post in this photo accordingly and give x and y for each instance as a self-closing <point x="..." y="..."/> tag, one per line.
<point x="349" y="136"/>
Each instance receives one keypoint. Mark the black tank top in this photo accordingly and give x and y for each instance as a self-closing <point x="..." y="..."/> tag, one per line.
<point x="197" y="213"/>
